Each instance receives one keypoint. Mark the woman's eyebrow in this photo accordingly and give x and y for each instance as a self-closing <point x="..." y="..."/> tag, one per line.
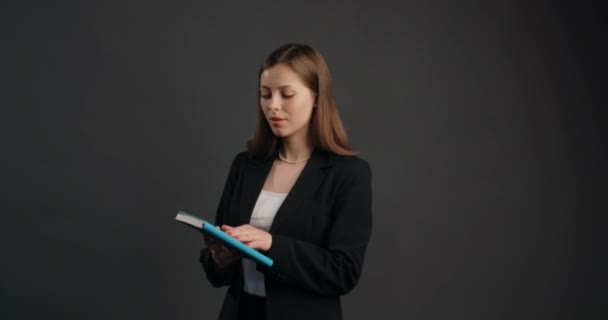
<point x="280" y="87"/>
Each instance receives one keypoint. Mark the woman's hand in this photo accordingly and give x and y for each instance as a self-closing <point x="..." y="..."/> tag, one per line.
<point x="222" y="256"/>
<point x="253" y="237"/>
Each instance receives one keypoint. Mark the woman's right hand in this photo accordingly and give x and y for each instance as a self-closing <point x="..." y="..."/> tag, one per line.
<point x="221" y="255"/>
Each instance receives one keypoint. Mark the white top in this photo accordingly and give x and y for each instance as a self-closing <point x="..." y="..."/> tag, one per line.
<point x="265" y="209"/>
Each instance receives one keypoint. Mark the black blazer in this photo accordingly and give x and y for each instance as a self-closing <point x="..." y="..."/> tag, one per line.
<point x="319" y="235"/>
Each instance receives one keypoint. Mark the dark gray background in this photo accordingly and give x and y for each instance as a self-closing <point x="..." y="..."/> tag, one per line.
<point x="481" y="121"/>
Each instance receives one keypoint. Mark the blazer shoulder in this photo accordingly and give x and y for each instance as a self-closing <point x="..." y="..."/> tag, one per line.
<point x="238" y="162"/>
<point x="241" y="156"/>
<point x="351" y="165"/>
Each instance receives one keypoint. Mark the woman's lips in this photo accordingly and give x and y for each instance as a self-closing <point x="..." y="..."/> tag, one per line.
<point x="276" y="121"/>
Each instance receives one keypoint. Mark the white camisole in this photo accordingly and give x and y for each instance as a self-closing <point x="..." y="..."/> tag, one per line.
<point x="265" y="209"/>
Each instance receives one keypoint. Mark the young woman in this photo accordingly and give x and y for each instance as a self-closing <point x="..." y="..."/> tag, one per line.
<point x="299" y="194"/>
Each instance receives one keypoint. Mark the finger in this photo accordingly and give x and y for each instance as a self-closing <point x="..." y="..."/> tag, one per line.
<point x="252" y="234"/>
<point x="255" y="244"/>
<point x="237" y="236"/>
<point x="241" y="228"/>
<point x="226" y="227"/>
<point x="245" y="228"/>
<point x="246" y="237"/>
<point x="233" y="231"/>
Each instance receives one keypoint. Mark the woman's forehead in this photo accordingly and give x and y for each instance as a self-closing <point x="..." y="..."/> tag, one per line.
<point x="279" y="76"/>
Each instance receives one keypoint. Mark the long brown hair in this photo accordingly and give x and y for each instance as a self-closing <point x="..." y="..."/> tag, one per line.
<point x="326" y="129"/>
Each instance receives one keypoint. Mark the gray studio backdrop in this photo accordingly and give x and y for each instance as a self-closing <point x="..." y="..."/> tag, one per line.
<point x="480" y="121"/>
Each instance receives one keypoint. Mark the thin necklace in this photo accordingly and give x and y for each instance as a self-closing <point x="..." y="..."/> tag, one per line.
<point x="289" y="161"/>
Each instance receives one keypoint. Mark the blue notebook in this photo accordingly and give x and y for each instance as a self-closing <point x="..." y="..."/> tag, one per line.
<point x="209" y="229"/>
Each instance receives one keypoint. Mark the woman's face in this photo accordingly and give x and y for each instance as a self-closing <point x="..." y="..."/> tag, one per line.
<point x="286" y="101"/>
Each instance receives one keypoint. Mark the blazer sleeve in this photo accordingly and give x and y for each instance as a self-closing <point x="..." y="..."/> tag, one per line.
<point x="216" y="276"/>
<point x="335" y="268"/>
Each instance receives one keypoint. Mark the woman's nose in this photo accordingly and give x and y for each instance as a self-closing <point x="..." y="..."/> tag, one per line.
<point x="274" y="104"/>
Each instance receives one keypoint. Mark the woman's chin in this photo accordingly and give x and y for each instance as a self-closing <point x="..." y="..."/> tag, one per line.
<point x="279" y="133"/>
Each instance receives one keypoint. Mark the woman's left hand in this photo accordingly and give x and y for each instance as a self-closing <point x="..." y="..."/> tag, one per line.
<point x="253" y="237"/>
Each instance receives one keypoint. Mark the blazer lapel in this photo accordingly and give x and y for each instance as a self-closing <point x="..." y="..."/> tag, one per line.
<point x="253" y="182"/>
<point x="310" y="178"/>
<point x="304" y="188"/>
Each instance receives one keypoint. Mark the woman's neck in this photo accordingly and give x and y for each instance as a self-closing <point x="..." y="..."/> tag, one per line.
<point x="294" y="150"/>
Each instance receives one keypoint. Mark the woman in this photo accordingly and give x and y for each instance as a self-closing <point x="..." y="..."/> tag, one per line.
<point x="299" y="194"/>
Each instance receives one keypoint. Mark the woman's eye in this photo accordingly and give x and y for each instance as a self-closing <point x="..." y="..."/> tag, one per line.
<point x="267" y="96"/>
